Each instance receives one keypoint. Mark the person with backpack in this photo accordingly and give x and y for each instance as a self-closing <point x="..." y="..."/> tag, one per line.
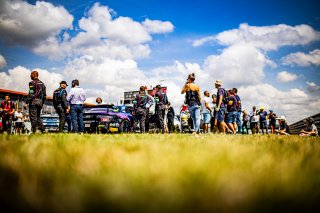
<point x="193" y="100"/>
<point x="139" y="110"/>
<point x="161" y="100"/>
<point x="8" y="109"/>
<point x="36" y="98"/>
<point x="222" y="100"/>
<point x="60" y="104"/>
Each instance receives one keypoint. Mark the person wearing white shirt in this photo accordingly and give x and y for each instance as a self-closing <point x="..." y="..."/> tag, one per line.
<point x="18" y="123"/>
<point x="206" y="111"/>
<point x="76" y="97"/>
<point x="254" y="119"/>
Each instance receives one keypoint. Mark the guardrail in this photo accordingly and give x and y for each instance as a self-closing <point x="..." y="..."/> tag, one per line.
<point x="298" y="126"/>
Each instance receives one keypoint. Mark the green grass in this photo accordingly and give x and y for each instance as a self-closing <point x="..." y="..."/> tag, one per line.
<point x="159" y="173"/>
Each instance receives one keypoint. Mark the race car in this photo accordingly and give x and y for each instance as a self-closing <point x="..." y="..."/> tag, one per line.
<point x="107" y="119"/>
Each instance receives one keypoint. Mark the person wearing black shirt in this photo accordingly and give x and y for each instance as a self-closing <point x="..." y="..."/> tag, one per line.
<point x="161" y="101"/>
<point x="8" y="109"/>
<point x="139" y="110"/>
<point x="170" y="117"/>
<point x="60" y="104"/>
<point x="36" y="98"/>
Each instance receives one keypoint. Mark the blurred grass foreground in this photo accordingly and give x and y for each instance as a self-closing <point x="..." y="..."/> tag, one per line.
<point x="159" y="173"/>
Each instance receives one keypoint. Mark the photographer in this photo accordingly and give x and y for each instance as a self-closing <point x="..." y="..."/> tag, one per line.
<point x="8" y="109"/>
<point x="193" y="100"/>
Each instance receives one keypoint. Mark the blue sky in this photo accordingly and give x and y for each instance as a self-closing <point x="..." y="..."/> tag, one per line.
<point x="181" y="37"/>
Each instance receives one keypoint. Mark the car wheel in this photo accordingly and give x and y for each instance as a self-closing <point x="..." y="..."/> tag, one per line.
<point x="124" y="126"/>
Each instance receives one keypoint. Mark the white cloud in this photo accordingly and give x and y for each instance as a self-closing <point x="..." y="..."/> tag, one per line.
<point x="237" y="65"/>
<point x="103" y="36"/>
<point x="313" y="87"/>
<point x="3" y="62"/>
<point x="26" y="24"/>
<point x="157" y="26"/>
<point x="302" y="59"/>
<point x="19" y="77"/>
<point x="290" y="103"/>
<point x="285" y="76"/>
<point x="265" y="37"/>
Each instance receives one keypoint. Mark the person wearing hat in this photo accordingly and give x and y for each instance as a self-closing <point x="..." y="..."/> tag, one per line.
<point x="310" y="129"/>
<point x="60" y="104"/>
<point x="272" y="121"/>
<point x="263" y="120"/>
<point x="193" y="100"/>
<point x="221" y="110"/>
<point x="161" y="101"/>
<point x="283" y="126"/>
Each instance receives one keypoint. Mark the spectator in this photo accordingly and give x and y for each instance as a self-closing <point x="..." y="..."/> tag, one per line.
<point x="60" y="104"/>
<point x="254" y="119"/>
<point x="221" y="106"/>
<point x="139" y="109"/>
<point x="235" y="92"/>
<point x="283" y="126"/>
<point x="245" y="119"/>
<point x="193" y="100"/>
<point x="311" y="129"/>
<point x="263" y="120"/>
<point x="170" y="117"/>
<point x="36" y="98"/>
<point x="272" y="121"/>
<point x="213" y="120"/>
<point x="161" y="100"/>
<point x="232" y="108"/>
<point x="19" y="120"/>
<point x="150" y="103"/>
<point x="76" y="97"/>
<point x="8" y="109"/>
<point x="99" y="101"/>
<point x="206" y="111"/>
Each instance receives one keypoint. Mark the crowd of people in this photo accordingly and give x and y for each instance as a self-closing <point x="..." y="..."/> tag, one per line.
<point x="222" y="113"/>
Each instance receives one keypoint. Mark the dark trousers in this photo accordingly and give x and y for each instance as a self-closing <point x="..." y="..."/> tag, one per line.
<point x="62" y="118"/>
<point x="171" y="124"/>
<point x="245" y="126"/>
<point x="36" y="122"/>
<point x="69" y="122"/>
<point x="141" y="119"/>
<point x="77" y="118"/>
<point x="160" y="114"/>
<point x="7" y="124"/>
<point x="147" y="119"/>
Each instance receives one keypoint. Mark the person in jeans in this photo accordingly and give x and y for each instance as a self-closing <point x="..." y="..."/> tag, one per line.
<point x="206" y="111"/>
<point x="76" y="97"/>
<point x="193" y="100"/>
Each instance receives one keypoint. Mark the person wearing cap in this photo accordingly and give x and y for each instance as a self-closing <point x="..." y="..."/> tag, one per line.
<point x="310" y="128"/>
<point x="263" y="120"/>
<point x="60" y="104"/>
<point x="221" y="106"/>
<point x="193" y="100"/>
<point x="283" y="126"/>
<point x="161" y="100"/>
<point x="272" y="121"/>
<point x="254" y="119"/>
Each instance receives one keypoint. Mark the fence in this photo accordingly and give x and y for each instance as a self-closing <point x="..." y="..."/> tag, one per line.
<point x="298" y="126"/>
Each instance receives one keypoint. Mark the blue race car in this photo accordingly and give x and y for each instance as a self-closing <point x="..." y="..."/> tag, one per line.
<point x="107" y="119"/>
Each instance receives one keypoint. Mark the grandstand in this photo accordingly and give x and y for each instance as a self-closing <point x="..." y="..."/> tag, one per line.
<point x="298" y="126"/>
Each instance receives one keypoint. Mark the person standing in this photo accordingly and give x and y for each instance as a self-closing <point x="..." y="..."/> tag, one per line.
<point x="36" y="98"/>
<point x="272" y="121"/>
<point x="18" y="124"/>
<point x="245" y="119"/>
<point x="76" y="97"/>
<point x="254" y="119"/>
<point x="239" y="110"/>
<point x="206" y="111"/>
<point x="161" y="102"/>
<point x="263" y="120"/>
<point x="150" y="102"/>
<point x="213" y="121"/>
<point x="170" y="117"/>
<point x="193" y="100"/>
<point x="8" y="109"/>
<point x="60" y="104"/>
<point x="221" y="106"/>
<point x="139" y="109"/>
<point x="232" y="108"/>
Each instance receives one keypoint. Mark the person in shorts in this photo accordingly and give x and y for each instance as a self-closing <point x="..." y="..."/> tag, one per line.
<point x="221" y="107"/>
<point x="232" y="108"/>
<point x="263" y="120"/>
<point x="206" y="111"/>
